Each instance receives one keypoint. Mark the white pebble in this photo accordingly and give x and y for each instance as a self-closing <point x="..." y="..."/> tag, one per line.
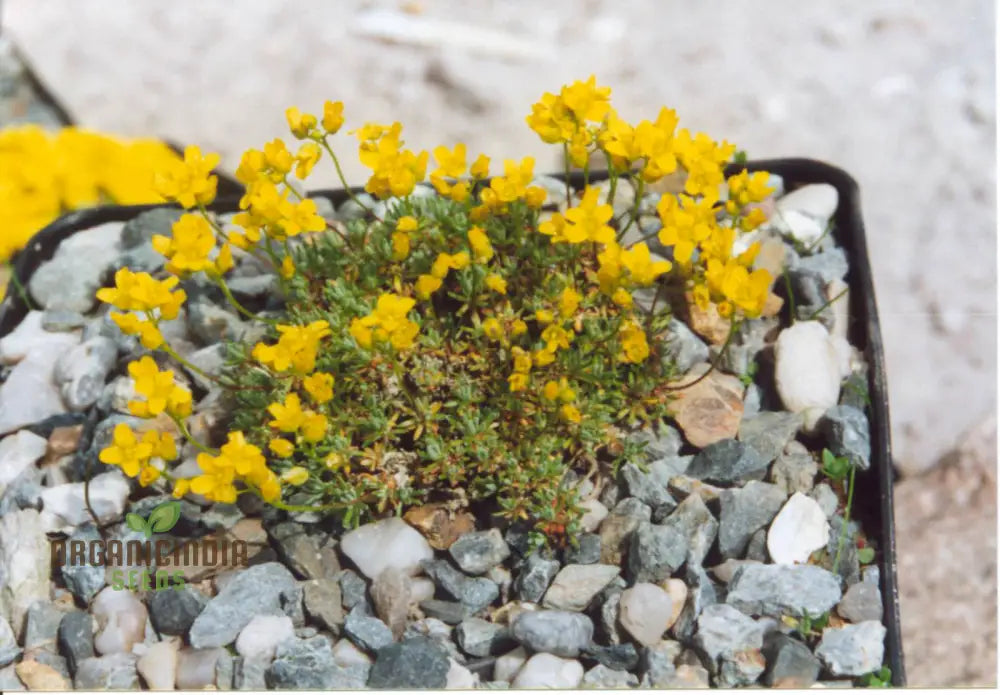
<point x="386" y="543"/>
<point x="799" y="529"/>
<point x="108" y="496"/>
<point x="807" y="370"/>
<point x="158" y="665"/>
<point x="549" y="671"/>
<point x="460" y="678"/>
<point x="645" y="611"/>
<point x="262" y="635"/>
<point x="121" y="620"/>
<point x="817" y="200"/>
<point x="507" y="665"/>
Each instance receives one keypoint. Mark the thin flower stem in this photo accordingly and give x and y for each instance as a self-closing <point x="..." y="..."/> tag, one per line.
<point x="826" y="304"/>
<point x="847" y="516"/>
<point x="188" y="365"/>
<point x="569" y="191"/>
<point x="634" y="212"/>
<point x="188" y="436"/>
<point x="343" y="179"/>
<point x="829" y="227"/>
<point x="733" y="326"/>
<point x="16" y="282"/>
<point x="239" y="307"/>
<point x="791" y="296"/>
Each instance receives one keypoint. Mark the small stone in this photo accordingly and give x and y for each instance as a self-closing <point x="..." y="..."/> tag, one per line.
<point x="70" y="280"/>
<point x="210" y="323"/>
<point x="392" y="595"/>
<point x="779" y="590"/>
<point x="603" y="677"/>
<point x="459" y="677"/>
<point x="743" y="511"/>
<point x="549" y="671"/>
<point x="726" y="461"/>
<point x="847" y="434"/>
<point x="386" y="543"/>
<point x="727" y="570"/>
<point x="158" y="666"/>
<point x="265" y="589"/>
<point x="418" y="662"/>
<point x="439" y="526"/>
<point x="576" y="586"/>
<point x="683" y="348"/>
<point x="661" y="440"/>
<point x="710" y="410"/>
<point x="650" y="486"/>
<point x="84" y="580"/>
<point x="861" y="602"/>
<point x="817" y="200"/>
<point x="615" y="533"/>
<point x="799" y="529"/>
<point x="677" y="591"/>
<point x="659" y="662"/>
<point x="535" y="576"/>
<point x="790" y="663"/>
<point x="586" y="552"/>
<point x="757" y="547"/>
<point x="655" y="552"/>
<point x="108" y="497"/>
<point x="645" y="611"/>
<point x="353" y="589"/>
<point x="830" y="265"/>
<point x="309" y="665"/>
<point x="450" y="612"/>
<point x="301" y="552"/>
<point x="707" y="323"/>
<point x="29" y="394"/>
<point x="475" y="593"/>
<point x="768" y="433"/>
<point x="110" y="672"/>
<point x="478" y="637"/>
<point x="173" y="612"/>
<point x="262" y="635"/>
<point x="82" y="370"/>
<point x="8" y="643"/>
<point x="693" y="520"/>
<point x="826" y="498"/>
<point x="732" y="643"/>
<point x="121" y="621"/>
<point x="367" y="632"/>
<point x="478" y="551"/>
<point x="795" y="469"/>
<point x="41" y="626"/>
<point x="686" y="677"/>
<point x="18" y="453"/>
<point x="346" y="654"/>
<point x="322" y="601"/>
<point x="39" y="676"/>
<point x="62" y="321"/>
<point x="594" y="513"/>
<point x="557" y="632"/>
<point x="807" y="373"/>
<point x="852" y="650"/>
<point x="507" y="666"/>
<point x="610" y="602"/>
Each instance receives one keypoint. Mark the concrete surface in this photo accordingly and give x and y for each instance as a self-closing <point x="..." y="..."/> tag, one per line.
<point x="899" y="94"/>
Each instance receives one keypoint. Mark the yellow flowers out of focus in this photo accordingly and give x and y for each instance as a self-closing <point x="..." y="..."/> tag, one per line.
<point x="44" y="174"/>
<point x="387" y="323"/>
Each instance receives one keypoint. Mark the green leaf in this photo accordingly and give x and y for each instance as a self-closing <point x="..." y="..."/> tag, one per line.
<point x="165" y="516"/>
<point x="866" y="555"/>
<point x="135" y="522"/>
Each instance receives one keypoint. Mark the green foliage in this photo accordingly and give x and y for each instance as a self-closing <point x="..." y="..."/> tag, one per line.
<point x="878" y="679"/>
<point x="441" y="420"/>
<point x="835" y="468"/>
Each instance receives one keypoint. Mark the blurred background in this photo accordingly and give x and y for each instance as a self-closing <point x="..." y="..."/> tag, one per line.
<point x="899" y="94"/>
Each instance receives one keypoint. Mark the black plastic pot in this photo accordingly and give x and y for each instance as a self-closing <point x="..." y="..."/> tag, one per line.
<point x="873" y="495"/>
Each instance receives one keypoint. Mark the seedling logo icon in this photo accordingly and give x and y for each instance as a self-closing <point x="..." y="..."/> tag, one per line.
<point x="163" y="518"/>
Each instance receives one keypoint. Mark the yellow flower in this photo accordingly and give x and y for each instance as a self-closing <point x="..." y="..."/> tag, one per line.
<point x="492" y="329"/>
<point x="126" y="451"/>
<point x="556" y="337"/>
<point x="140" y="292"/>
<point x="587" y="221"/>
<point x="535" y="197"/>
<point x="586" y="100"/>
<point x="287" y="268"/>
<point x="407" y="223"/>
<point x="190" y="182"/>
<point x="559" y="390"/>
<point x="296" y="348"/>
<point x="288" y="416"/>
<point x="319" y="386"/>
<point x="622" y="298"/>
<point x="148" y="475"/>
<point x="189" y="246"/>
<point x="216" y="480"/>
<point x="635" y="349"/>
<point x="181" y="487"/>
<point x="496" y="283"/>
<point x="159" y="389"/>
<point x="544" y="316"/>
<point x="518" y="381"/>
<point x="480" y="244"/>
<point x="333" y="116"/>
<point x="306" y="158"/>
<point x="746" y="188"/>
<point x="544" y="357"/>
<point x="130" y="324"/>
<point x="282" y="448"/>
<point x="296" y="475"/>
<point x="642" y="269"/>
<point x="519" y="327"/>
<point x="278" y="158"/>
<point x="314" y="427"/>
<point x="569" y="302"/>
<point x="480" y="169"/>
<point x="301" y="124"/>
<point x="522" y="360"/>
<point x="400" y="246"/>
<point x="388" y="321"/>
<point x="571" y="413"/>
<point x="427" y="285"/>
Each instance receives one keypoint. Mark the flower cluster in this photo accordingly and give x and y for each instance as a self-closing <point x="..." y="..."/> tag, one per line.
<point x="471" y="344"/>
<point x="43" y="175"/>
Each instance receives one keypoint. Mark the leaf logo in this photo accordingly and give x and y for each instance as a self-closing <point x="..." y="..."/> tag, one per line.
<point x="163" y="518"/>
